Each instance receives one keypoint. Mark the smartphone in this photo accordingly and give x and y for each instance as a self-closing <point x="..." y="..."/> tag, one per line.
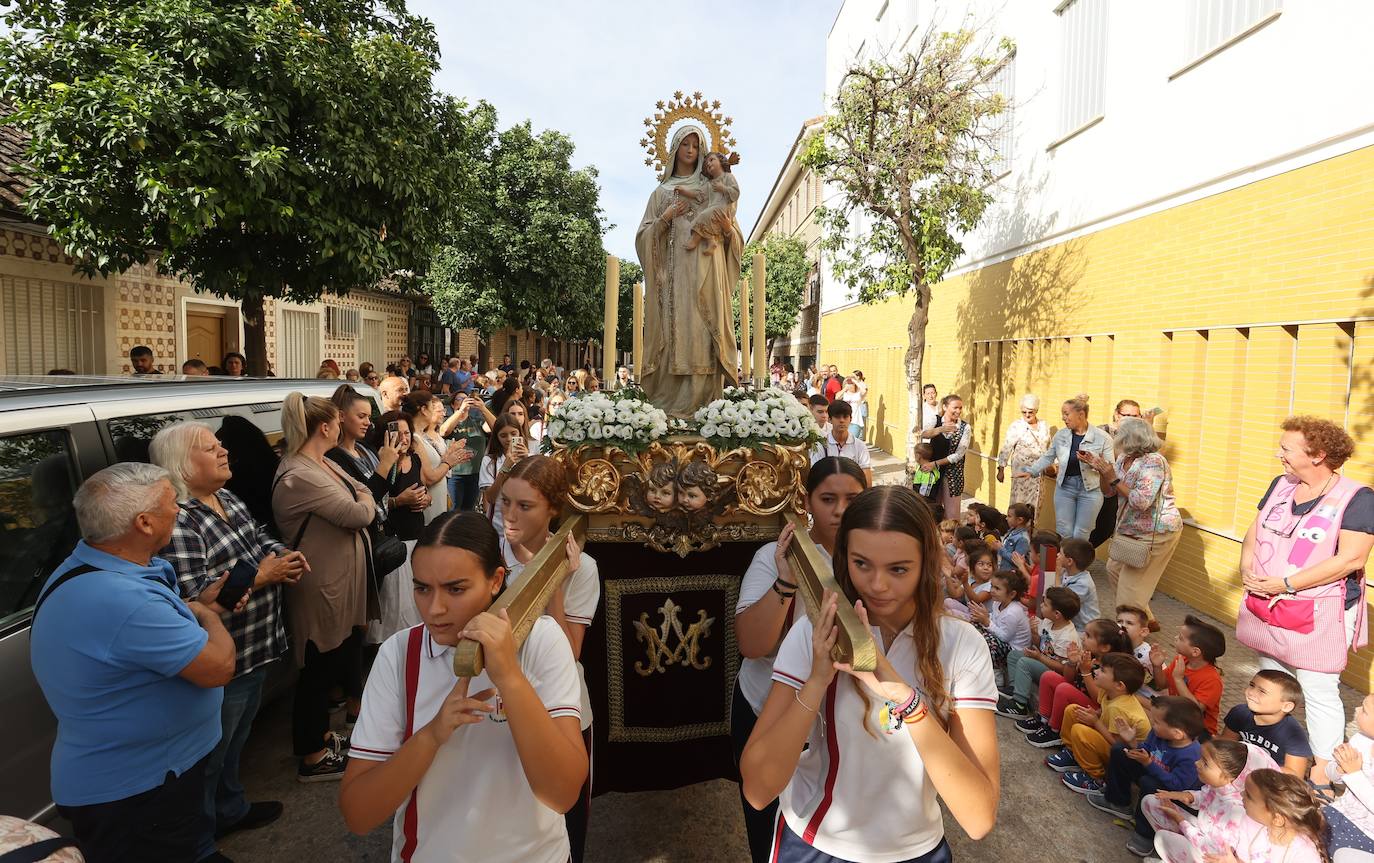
<point x="240" y="581"/>
<point x="393" y="427"/>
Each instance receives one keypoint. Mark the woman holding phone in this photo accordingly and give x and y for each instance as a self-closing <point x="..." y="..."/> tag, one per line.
<point x="470" y="421"/>
<point x="506" y="447"/>
<point x="428" y="428"/>
<point x="215" y="534"/>
<point x="1078" y="491"/>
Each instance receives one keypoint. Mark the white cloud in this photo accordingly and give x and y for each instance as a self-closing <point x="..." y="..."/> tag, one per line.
<point x="594" y="70"/>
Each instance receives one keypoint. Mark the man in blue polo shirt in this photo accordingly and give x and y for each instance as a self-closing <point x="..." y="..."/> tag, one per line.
<point x="134" y="675"/>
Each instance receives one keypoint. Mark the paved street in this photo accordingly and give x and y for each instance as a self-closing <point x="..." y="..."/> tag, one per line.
<point x="702" y="823"/>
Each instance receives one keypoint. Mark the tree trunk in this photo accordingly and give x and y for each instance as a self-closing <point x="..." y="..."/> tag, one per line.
<point x="915" y="353"/>
<point x="254" y="334"/>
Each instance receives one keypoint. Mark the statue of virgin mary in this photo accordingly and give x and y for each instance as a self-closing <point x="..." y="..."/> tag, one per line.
<point x="689" y="344"/>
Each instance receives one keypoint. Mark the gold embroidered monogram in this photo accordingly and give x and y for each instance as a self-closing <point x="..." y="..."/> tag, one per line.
<point x="656" y="641"/>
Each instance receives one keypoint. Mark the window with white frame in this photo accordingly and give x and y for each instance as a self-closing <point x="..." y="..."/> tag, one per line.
<point x="1003" y="83"/>
<point x="1083" y="64"/>
<point x="1210" y="24"/>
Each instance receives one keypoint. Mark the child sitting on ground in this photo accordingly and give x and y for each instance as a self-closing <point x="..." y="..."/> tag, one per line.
<point x="1051" y="652"/>
<point x="1284" y="822"/>
<point x="1223" y="768"/>
<point x="1165" y="761"/>
<point x="926" y="482"/>
<point x="1075" y="556"/>
<point x="1193" y="674"/>
<point x="947" y="529"/>
<point x="1266" y="720"/>
<point x="989" y="522"/>
<point x="1058" y="691"/>
<point x="1091" y="732"/>
<point x="978" y="587"/>
<point x="1020" y="516"/>
<point x="1043" y="543"/>
<point x="1351" y="817"/>
<point x="1003" y="621"/>
<point x="1135" y="622"/>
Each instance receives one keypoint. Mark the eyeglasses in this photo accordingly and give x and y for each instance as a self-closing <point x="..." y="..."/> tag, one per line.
<point x="1027" y="413"/>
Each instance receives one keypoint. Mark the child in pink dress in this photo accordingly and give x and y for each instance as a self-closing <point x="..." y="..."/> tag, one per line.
<point x="1223" y="769"/>
<point x="1283" y="822"/>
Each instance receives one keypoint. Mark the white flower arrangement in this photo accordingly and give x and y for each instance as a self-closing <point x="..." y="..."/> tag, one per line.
<point x="744" y="417"/>
<point x="624" y="421"/>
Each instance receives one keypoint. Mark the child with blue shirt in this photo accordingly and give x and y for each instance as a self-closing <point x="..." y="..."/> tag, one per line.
<point x="1020" y="516"/>
<point x="1165" y="761"/>
<point x="1075" y="556"/>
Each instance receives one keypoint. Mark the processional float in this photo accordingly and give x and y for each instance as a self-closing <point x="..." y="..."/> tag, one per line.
<point x="672" y="503"/>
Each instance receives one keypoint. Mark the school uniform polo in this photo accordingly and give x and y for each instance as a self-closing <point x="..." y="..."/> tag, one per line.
<point x="581" y="595"/>
<point x="866" y="797"/>
<point x="756" y="674"/>
<point x="853" y="448"/>
<point x="474" y="802"/>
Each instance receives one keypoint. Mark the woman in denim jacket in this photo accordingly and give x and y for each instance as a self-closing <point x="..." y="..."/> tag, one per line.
<point x="1077" y="487"/>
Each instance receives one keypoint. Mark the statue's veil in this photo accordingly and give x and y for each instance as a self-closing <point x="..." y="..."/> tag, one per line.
<point x="703" y="142"/>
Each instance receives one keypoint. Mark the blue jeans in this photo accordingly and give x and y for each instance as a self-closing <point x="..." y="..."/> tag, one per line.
<point x="1075" y="507"/>
<point x="224" y="798"/>
<point x="462" y="492"/>
<point x="1023" y="674"/>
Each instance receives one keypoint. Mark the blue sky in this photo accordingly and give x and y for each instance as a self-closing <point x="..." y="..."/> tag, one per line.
<point x="594" y="69"/>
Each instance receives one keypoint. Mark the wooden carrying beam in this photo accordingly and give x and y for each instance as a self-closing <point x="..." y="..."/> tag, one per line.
<point x="526" y="601"/>
<point x="855" y="643"/>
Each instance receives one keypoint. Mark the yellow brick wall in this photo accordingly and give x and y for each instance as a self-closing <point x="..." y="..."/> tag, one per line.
<point x="1157" y="309"/>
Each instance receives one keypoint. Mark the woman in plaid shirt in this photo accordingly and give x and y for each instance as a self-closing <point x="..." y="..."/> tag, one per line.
<point x="213" y="532"/>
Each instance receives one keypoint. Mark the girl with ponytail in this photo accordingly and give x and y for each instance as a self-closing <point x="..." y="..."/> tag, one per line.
<point x="892" y="742"/>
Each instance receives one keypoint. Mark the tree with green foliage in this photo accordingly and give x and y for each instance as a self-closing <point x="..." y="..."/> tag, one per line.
<point x="787" y="269"/>
<point x="909" y="146"/>
<point x="258" y="148"/>
<point x="525" y="249"/>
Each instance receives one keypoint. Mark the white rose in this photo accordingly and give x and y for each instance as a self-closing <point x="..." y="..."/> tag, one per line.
<point x="709" y="430"/>
<point x="594" y="432"/>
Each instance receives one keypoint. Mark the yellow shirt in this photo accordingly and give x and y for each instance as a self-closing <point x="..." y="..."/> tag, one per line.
<point x="1125" y="707"/>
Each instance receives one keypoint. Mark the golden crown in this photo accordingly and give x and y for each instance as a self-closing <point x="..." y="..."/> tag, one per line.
<point x="674" y="111"/>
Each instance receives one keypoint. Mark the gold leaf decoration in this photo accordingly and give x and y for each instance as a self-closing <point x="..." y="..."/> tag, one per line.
<point x="678" y="109"/>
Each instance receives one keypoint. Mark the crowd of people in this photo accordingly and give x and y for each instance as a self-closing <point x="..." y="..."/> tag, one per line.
<point x="375" y="541"/>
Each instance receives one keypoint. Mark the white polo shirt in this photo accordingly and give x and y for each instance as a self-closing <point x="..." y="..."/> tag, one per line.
<point x="866" y="797"/>
<point x="755" y="675"/>
<point x="581" y="596"/>
<point x="474" y="802"/>
<point x="853" y="448"/>
<point x="486" y="478"/>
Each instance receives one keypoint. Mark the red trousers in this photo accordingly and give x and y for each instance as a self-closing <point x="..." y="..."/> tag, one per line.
<point x="1056" y="693"/>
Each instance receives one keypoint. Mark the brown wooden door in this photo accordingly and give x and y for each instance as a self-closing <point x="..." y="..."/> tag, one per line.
<point x="204" y="338"/>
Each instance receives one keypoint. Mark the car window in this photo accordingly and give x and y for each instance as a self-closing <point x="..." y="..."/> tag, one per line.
<point x="37" y="524"/>
<point x="251" y="434"/>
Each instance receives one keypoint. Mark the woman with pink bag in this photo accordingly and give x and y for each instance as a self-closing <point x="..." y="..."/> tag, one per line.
<point x="1302" y="567"/>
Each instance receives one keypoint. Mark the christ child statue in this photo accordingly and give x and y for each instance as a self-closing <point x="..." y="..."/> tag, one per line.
<point x="712" y="222"/>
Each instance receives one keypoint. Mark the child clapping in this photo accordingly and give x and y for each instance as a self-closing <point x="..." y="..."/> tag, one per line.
<point x="1352" y="815"/>
<point x="1223" y="768"/>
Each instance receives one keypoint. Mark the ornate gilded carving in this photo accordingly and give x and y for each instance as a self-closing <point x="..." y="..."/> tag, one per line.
<point x="687" y="653"/>
<point x="616" y="591"/>
<point x="688" y="496"/>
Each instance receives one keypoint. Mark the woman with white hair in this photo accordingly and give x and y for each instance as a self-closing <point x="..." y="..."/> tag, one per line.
<point x="1025" y="442"/>
<point x="213" y="534"/>
<point x="1147" y="515"/>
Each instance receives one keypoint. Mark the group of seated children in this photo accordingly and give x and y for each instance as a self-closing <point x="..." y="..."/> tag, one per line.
<point x="1141" y="738"/>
